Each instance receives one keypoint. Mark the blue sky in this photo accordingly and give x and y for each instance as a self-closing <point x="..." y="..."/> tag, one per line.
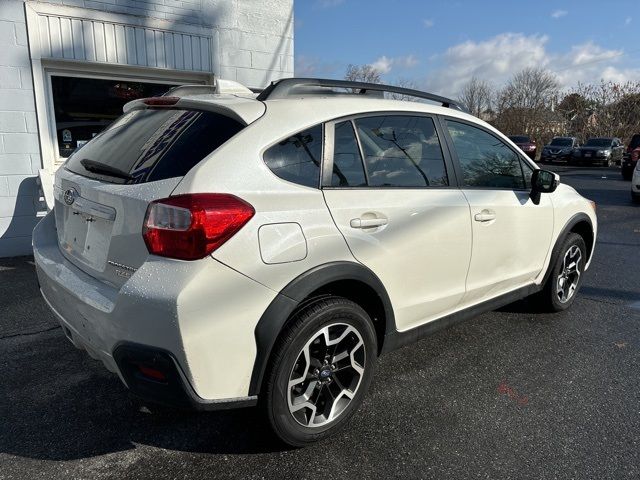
<point x="439" y="45"/>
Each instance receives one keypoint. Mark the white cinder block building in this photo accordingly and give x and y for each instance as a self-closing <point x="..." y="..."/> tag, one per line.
<point x="68" y="66"/>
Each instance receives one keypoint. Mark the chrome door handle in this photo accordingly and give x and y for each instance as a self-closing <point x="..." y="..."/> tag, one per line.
<point x="485" y="216"/>
<point x="367" y="222"/>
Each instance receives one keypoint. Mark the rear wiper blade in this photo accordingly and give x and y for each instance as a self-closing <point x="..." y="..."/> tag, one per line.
<point x="104" y="169"/>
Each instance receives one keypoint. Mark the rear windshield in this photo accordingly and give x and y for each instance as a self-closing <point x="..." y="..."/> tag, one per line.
<point x="153" y="144"/>
<point x="598" y="142"/>
<point x="561" y="142"/>
<point x="519" y="139"/>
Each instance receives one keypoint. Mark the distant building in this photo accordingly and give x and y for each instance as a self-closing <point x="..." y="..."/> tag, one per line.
<point x="68" y="66"/>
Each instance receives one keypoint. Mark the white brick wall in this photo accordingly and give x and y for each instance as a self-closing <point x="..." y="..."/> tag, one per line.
<point x="245" y="27"/>
<point x="252" y="44"/>
<point x="19" y="145"/>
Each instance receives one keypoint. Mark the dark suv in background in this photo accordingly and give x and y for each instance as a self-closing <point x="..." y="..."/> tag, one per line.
<point x="526" y="144"/>
<point x="631" y="157"/>
<point x="560" y="148"/>
<point x="604" y="151"/>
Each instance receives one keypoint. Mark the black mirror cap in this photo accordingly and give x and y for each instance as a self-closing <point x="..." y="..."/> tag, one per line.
<point x="543" y="181"/>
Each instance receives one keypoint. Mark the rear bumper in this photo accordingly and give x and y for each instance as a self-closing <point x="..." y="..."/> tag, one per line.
<point x="199" y="317"/>
<point x="173" y="390"/>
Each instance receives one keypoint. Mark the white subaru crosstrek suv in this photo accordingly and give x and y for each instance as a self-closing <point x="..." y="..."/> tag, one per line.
<point x="219" y="250"/>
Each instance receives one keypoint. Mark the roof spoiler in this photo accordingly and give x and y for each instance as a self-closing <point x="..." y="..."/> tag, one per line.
<point x="220" y="87"/>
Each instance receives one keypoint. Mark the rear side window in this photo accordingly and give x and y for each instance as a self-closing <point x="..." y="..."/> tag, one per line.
<point x="153" y="144"/>
<point x="402" y="151"/>
<point x="297" y="158"/>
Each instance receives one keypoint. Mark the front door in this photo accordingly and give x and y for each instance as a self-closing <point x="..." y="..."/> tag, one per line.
<point x="511" y="235"/>
<point x="398" y="213"/>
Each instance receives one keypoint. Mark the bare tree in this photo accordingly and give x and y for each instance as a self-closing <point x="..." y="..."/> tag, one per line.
<point x="531" y="88"/>
<point x="526" y="105"/>
<point x="607" y="109"/>
<point x="476" y="96"/>
<point x="403" y="83"/>
<point x="362" y="73"/>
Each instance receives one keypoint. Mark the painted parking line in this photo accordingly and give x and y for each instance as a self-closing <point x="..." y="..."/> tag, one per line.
<point x="635" y="305"/>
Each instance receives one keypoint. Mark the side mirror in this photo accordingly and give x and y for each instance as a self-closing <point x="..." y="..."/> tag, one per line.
<point x="543" y="181"/>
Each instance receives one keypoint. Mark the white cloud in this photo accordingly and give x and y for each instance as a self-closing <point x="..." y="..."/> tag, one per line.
<point x="408" y="61"/>
<point x="384" y="64"/>
<point x="494" y="60"/>
<point x="498" y="58"/>
<point x="589" y="62"/>
<point x="428" y="23"/>
<point x="558" y="13"/>
<point x="304" y="66"/>
<point x="307" y="66"/>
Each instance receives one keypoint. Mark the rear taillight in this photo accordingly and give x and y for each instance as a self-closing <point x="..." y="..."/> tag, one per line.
<point x="189" y="227"/>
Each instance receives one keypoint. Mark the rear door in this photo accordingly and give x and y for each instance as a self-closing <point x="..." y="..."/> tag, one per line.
<point x="511" y="235"/>
<point x="391" y="191"/>
<point x="103" y="190"/>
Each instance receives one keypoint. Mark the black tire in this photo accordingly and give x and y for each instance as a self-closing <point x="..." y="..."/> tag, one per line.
<point x="286" y="356"/>
<point x="635" y="198"/>
<point x="627" y="175"/>
<point x="548" y="299"/>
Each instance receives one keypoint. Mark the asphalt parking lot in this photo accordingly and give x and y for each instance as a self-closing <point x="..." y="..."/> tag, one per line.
<point x="510" y="394"/>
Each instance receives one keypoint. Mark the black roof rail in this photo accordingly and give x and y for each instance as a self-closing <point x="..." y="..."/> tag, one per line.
<point x="286" y="88"/>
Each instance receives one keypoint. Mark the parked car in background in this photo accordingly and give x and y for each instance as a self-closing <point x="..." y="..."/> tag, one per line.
<point x="526" y="144"/>
<point x="216" y="250"/>
<point x="635" y="183"/>
<point x="560" y="148"/>
<point x="630" y="159"/>
<point x="606" y="151"/>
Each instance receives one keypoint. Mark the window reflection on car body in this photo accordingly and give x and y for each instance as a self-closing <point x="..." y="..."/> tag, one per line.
<point x="104" y="169"/>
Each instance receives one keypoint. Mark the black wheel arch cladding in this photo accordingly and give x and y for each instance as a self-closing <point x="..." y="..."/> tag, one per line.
<point x="293" y="296"/>
<point x="581" y="224"/>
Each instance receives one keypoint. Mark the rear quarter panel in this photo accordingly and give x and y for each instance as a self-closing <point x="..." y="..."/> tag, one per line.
<point x="237" y="168"/>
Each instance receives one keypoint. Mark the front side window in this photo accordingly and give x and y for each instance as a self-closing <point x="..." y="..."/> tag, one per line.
<point x="402" y="151"/>
<point x="297" y="158"/>
<point x="484" y="159"/>
<point x="527" y="170"/>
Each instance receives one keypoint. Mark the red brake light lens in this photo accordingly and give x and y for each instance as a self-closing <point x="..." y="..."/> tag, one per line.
<point x="189" y="227"/>
<point x="160" y="101"/>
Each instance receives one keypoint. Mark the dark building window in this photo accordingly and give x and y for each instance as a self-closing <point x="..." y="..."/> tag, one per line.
<point x="85" y="106"/>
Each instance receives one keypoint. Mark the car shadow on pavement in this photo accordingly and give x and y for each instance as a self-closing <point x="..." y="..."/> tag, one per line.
<point x="59" y="404"/>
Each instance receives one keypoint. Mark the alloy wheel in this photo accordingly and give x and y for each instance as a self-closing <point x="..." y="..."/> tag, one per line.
<point x="326" y="375"/>
<point x="567" y="281"/>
